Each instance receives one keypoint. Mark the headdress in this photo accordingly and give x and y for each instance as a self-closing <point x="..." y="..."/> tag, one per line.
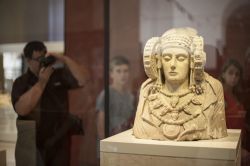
<point x="185" y="38"/>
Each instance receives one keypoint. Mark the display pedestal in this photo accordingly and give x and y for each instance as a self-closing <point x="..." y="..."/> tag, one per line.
<point x="2" y="157"/>
<point x="7" y="150"/>
<point x="124" y="149"/>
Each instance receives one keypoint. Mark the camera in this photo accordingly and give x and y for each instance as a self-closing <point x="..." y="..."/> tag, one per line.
<point x="46" y="61"/>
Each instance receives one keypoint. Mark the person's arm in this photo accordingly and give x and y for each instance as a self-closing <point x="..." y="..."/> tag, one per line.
<point x="80" y="73"/>
<point x="28" y="101"/>
<point x="100" y="124"/>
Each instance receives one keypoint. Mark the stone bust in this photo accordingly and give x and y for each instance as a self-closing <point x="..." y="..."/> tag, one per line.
<point x="179" y="101"/>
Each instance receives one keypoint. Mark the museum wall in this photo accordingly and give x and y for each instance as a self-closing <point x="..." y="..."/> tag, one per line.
<point x="84" y="37"/>
<point x="237" y="30"/>
<point x="155" y="18"/>
<point x="210" y="18"/>
<point x="124" y="37"/>
<point x="25" y="20"/>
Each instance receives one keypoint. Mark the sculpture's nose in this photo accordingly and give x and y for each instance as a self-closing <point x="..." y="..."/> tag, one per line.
<point x="173" y="63"/>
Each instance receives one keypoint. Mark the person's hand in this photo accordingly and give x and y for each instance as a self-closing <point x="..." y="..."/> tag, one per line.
<point x="45" y="74"/>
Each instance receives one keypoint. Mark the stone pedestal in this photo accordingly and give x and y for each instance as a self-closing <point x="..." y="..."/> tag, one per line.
<point x="7" y="154"/>
<point x="2" y="157"/>
<point x="124" y="149"/>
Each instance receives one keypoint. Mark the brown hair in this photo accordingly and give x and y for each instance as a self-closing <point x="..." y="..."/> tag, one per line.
<point x="118" y="60"/>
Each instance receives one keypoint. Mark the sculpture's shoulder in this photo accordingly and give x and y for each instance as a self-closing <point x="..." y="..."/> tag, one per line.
<point x="214" y="84"/>
<point x="142" y="127"/>
<point x="217" y="124"/>
<point x="146" y="86"/>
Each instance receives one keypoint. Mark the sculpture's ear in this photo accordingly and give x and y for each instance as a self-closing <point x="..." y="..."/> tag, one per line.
<point x="151" y="57"/>
<point x="198" y="60"/>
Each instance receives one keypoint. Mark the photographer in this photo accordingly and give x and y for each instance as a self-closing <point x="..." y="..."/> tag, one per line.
<point x="40" y="98"/>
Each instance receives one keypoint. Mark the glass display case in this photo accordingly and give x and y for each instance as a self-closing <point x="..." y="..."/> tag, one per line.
<point x="95" y="32"/>
<point x="225" y="30"/>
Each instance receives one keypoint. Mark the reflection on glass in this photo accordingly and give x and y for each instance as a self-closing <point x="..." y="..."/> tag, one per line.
<point x="12" y="65"/>
<point x="223" y="25"/>
<point x="121" y="100"/>
<point x="231" y="77"/>
<point x="40" y="99"/>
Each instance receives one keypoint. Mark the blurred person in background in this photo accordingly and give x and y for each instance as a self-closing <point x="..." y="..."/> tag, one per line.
<point x="40" y="98"/>
<point x="121" y="101"/>
<point x="231" y="77"/>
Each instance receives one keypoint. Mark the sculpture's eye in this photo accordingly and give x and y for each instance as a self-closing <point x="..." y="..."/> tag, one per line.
<point x="181" y="57"/>
<point x="167" y="57"/>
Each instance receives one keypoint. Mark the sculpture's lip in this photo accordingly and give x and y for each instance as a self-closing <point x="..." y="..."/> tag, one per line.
<point x="172" y="73"/>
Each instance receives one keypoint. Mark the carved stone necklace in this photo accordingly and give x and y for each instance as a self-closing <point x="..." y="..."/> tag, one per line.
<point x="160" y="105"/>
<point x="174" y="97"/>
<point x="166" y="107"/>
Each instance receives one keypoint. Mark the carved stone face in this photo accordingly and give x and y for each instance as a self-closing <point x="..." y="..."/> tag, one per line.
<point x="175" y="62"/>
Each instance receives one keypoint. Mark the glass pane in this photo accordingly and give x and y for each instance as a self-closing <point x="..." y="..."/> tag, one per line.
<point x="225" y="29"/>
<point x="222" y="24"/>
<point x="125" y="65"/>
